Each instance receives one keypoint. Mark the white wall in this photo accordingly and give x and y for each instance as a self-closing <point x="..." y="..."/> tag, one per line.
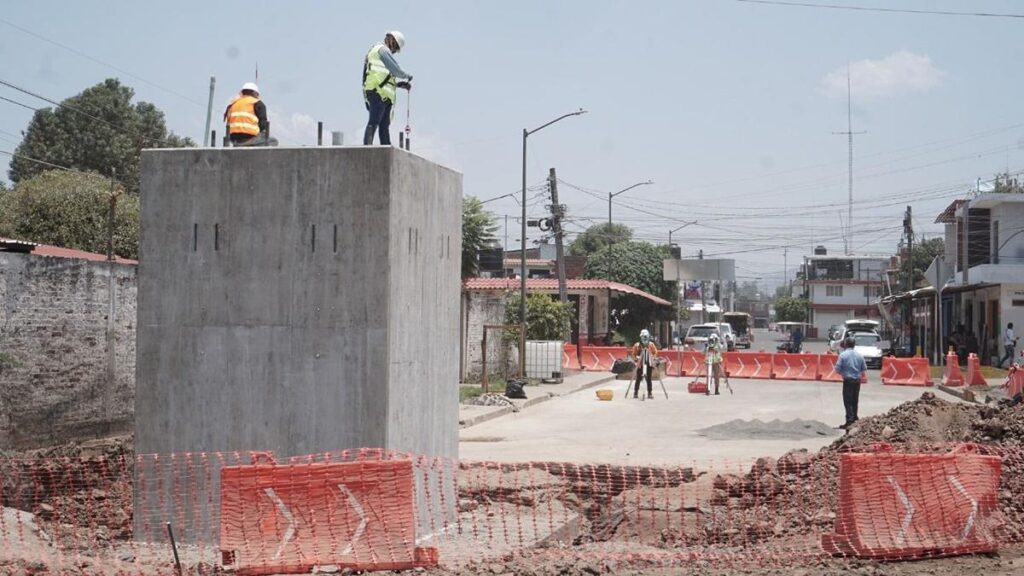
<point x="853" y="294"/>
<point x="1010" y="216"/>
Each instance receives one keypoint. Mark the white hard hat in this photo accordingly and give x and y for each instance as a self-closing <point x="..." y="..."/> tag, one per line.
<point x="251" y="86"/>
<point x="399" y="38"/>
<point x="644" y="332"/>
<point x="713" y="337"/>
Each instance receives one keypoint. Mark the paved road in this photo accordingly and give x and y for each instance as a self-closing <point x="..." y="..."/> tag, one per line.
<point x="579" y="428"/>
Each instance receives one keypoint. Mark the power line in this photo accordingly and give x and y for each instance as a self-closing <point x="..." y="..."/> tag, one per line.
<point x="877" y="9"/>
<point x="100" y="62"/>
<point x="120" y="129"/>
<point x="19" y="103"/>
<point x="58" y="166"/>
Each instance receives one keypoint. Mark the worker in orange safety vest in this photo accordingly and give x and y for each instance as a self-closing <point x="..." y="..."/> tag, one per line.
<point x="246" y="118"/>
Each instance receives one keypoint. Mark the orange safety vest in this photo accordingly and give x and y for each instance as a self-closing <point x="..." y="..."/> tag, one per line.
<point x="241" y="116"/>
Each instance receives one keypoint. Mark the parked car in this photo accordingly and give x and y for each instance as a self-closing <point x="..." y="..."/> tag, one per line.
<point x="871" y="347"/>
<point x="725" y="329"/>
<point x="697" y="335"/>
<point x="741" y="324"/>
<point x="853" y="327"/>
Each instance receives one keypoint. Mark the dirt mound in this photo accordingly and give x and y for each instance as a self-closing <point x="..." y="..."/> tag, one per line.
<point x="927" y="420"/>
<point x="774" y="430"/>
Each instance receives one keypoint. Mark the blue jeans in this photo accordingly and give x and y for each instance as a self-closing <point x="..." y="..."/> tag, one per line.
<point x="380" y="119"/>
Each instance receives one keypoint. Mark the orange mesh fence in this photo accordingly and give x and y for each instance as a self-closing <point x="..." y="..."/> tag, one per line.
<point x="375" y="510"/>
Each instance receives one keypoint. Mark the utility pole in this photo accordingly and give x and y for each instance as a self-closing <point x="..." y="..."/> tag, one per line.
<point x="557" y="212"/>
<point x="703" y="301"/>
<point x="908" y="229"/>
<point x="849" y="134"/>
<point x="785" y="270"/>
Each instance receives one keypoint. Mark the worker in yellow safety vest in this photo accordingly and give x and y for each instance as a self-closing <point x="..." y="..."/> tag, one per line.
<point x="381" y="76"/>
<point x="246" y="117"/>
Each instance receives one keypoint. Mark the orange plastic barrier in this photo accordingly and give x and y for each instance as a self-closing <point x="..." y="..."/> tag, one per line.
<point x="671" y="359"/>
<point x="1014" y="382"/>
<point x="827" y="369"/>
<point x="795" y="366"/>
<point x="570" y="359"/>
<point x="906" y="371"/>
<point x="974" y="375"/>
<point x="290" y="518"/>
<point x="951" y="374"/>
<point x="692" y="363"/>
<point x="601" y="358"/>
<point x="906" y="506"/>
<point x="748" y="364"/>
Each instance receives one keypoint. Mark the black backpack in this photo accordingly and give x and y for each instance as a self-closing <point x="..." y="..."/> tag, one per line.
<point x="623" y="366"/>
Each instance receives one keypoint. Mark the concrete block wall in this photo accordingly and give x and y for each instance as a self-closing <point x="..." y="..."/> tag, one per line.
<point x="67" y="349"/>
<point x="298" y="301"/>
<point x="479" y="309"/>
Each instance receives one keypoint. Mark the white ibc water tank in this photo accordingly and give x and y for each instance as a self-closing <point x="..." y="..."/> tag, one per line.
<point x="544" y="359"/>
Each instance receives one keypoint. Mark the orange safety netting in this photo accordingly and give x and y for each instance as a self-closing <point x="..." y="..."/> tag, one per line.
<point x="375" y="509"/>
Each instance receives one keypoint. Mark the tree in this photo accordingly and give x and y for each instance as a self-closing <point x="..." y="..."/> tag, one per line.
<point x="782" y="291"/>
<point x="98" y="130"/>
<point x="637" y="264"/>
<point x="547" y="318"/>
<point x="70" y="209"/>
<point x="597" y="237"/>
<point x="478" y="230"/>
<point x="923" y="255"/>
<point x="789" y="309"/>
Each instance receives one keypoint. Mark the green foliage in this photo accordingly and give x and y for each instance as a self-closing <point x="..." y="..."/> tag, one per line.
<point x="478" y="228"/>
<point x="1005" y="184"/>
<point x="637" y="264"/>
<point x="98" y="130"/>
<point x="597" y="237"/>
<point x="789" y="309"/>
<point x="924" y="253"/>
<point x="70" y="209"/>
<point x="546" y="317"/>
<point x="782" y="291"/>
<point x="472" y="391"/>
<point x="8" y="361"/>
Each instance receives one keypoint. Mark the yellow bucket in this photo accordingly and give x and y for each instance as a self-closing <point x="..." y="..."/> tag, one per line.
<point x="605" y="394"/>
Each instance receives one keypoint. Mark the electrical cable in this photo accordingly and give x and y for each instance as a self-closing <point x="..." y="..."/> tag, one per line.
<point x="878" y="9"/>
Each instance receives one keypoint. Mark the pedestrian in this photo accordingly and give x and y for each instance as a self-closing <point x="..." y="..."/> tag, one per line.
<point x="850" y="366"/>
<point x="381" y="76"/>
<point x="713" y="358"/>
<point x="1009" y="343"/>
<point x="246" y="118"/>
<point x="644" y="354"/>
<point x="797" y="339"/>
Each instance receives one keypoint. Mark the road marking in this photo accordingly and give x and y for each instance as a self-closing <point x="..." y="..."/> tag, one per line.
<point x="974" y="505"/>
<point x="908" y="505"/>
<point x="290" y="532"/>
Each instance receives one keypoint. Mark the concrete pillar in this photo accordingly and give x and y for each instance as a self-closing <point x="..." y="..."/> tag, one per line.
<point x="298" y="301"/>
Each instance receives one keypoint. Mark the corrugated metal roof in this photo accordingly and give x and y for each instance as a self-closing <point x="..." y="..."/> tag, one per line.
<point x="551" y="284"/>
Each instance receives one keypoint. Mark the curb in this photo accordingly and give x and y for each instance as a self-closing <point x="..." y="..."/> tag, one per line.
<point x="543" y="397"/>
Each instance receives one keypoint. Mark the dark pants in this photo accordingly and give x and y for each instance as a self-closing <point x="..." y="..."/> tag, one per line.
<point x="639" y="375"/>
<point x="380" y="119"/>
<point x="1008" y="350"/>
<point x="851" y="395"/>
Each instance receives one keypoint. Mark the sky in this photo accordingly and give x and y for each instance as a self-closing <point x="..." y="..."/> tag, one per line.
<point x="731" y="108"/>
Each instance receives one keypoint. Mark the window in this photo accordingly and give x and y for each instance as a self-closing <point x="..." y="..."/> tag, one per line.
<point x="872" y="291"/>
<point x="833" y="291"/>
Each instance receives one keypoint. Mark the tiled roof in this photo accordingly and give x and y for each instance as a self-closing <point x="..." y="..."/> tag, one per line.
<point x="948" y="216"/>
<point x="551" y="284"/>
<point x="34" y="249"/>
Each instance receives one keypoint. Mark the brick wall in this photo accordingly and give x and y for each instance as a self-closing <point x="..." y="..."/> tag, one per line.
<point x="67" y="365"/>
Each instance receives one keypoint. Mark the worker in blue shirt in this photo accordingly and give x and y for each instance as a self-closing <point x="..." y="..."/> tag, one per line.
<point x="850" y="366"/>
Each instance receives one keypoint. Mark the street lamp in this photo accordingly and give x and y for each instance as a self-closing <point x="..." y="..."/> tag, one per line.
<point x="608" y="266"/>
<point x="522" y="244"/>
<point x="678" y="306"/>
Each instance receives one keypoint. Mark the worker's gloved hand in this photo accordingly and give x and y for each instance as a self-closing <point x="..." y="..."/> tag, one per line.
<point x="405" y="85"/>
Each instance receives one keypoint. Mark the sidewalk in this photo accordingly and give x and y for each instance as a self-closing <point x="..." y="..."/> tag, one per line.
<point x="473" y="415"/>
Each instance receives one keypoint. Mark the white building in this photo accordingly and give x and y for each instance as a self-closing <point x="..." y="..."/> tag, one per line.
<point x="839" y="288"/>
<point x="983" y="288"/>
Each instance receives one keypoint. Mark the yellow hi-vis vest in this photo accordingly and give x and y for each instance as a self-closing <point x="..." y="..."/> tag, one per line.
<point x="242" y="116"/>
<point x="376" y="76"/>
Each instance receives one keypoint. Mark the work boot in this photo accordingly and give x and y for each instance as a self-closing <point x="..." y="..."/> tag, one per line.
<point x="716" y="391"/>
<point x="650" y="395"/>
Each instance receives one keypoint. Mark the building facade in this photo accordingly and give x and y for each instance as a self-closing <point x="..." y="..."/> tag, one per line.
<point x="839" y="288"/>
